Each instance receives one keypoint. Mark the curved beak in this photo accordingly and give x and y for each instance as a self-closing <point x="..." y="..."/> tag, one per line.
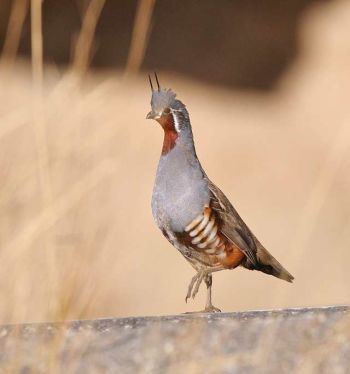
<point x="152" y="115"/>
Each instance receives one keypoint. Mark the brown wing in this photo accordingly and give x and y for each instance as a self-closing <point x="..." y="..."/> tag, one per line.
<point x="220" y="234"/>
<point x="232" y="225"/>
<point x="203" y="236"/>
<point x="238" y="233"/>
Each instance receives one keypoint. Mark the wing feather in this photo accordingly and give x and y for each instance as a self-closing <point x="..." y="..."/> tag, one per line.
<point x="232" y="225"/>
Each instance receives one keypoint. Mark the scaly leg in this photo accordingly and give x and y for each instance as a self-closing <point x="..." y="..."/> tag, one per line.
<point x="197" y="280"/>
<point x="209" y="307"/>
<point x="190" y="286"/>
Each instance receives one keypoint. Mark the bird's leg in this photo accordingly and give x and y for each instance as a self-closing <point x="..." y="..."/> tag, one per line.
<point x="209" y="307"/>
<point x="197" y="280"/>
<point x="190" y="286"/>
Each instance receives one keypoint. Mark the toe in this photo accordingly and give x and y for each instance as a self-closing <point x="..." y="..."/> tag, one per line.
<point x="212" y="309"/>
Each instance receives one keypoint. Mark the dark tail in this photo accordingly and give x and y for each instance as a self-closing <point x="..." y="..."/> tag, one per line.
<point x="269" y="265"/>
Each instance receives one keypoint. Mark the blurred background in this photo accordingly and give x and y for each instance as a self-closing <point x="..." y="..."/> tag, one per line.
<point x="267" y="87"/>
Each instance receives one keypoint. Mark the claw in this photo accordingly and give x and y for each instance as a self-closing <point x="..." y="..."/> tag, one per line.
<point x="211" y="309"/>
<point x="190" y="287"/>
<point x="196" y="281"/>
<point x="200" y="278"/>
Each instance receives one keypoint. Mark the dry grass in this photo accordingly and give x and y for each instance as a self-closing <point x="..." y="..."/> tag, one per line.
<point x="82" y="52"/>
<point x="77" y="168"/>
<point x="14" y="30"/>
<point x="140" y="35"/>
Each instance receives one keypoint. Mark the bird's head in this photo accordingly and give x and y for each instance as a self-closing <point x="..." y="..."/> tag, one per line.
<point x="166" y="109"/>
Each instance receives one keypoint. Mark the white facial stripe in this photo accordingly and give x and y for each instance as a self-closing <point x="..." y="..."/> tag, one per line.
<point x="176" y="120"/>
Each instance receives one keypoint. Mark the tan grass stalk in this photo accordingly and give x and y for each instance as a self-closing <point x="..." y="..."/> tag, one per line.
<point x="82" y="52"/>
<point x="37" y="43"/>
<point x="52" y="213"/>
<point x="140" y="36"/>
<point x="13" y="121"/>
<point x="320" y="191"/>
<point x="338" y="149"/>
<point x="41" y="144"/>
<point x="14" y="29"/>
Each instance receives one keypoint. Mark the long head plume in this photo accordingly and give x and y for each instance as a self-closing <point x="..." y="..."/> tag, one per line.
<point x="155" y="74"/>
<point x="162" y="99"/>
<point x="151" y="84"/>
<point x="171" y="114"/>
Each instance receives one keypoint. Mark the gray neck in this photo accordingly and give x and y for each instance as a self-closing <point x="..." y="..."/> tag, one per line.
<point x="181" y="189"/>
<point x="184" y="142"/>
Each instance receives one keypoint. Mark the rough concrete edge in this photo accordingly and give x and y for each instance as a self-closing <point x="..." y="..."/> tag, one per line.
<point x="191" y="316"/>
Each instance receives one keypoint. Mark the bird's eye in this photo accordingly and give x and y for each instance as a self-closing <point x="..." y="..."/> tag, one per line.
<point x="166" y="111"/>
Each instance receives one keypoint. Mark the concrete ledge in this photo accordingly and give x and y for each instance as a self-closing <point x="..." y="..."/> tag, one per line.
<point x="312" y="340"/>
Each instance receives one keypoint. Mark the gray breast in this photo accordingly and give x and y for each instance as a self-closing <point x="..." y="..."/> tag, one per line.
<point x="180" y="191"/>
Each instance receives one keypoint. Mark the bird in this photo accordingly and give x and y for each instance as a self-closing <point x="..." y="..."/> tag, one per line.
<point x="192" y="212"/>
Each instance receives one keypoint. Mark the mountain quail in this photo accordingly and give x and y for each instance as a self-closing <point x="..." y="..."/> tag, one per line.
<point x="193" y="214"/>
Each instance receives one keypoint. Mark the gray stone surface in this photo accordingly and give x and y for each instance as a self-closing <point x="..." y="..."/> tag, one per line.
<point x="312" y="340"/>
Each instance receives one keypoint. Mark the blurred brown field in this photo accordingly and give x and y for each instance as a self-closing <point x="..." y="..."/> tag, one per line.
<point x="78" y="160"/>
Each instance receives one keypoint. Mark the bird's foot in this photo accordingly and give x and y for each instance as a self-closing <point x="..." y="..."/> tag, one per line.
<point x="202" y="275"/>
<point x="195" y="283"/>
<point x="211" y="309"/>
<point x="207" y="309"/>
